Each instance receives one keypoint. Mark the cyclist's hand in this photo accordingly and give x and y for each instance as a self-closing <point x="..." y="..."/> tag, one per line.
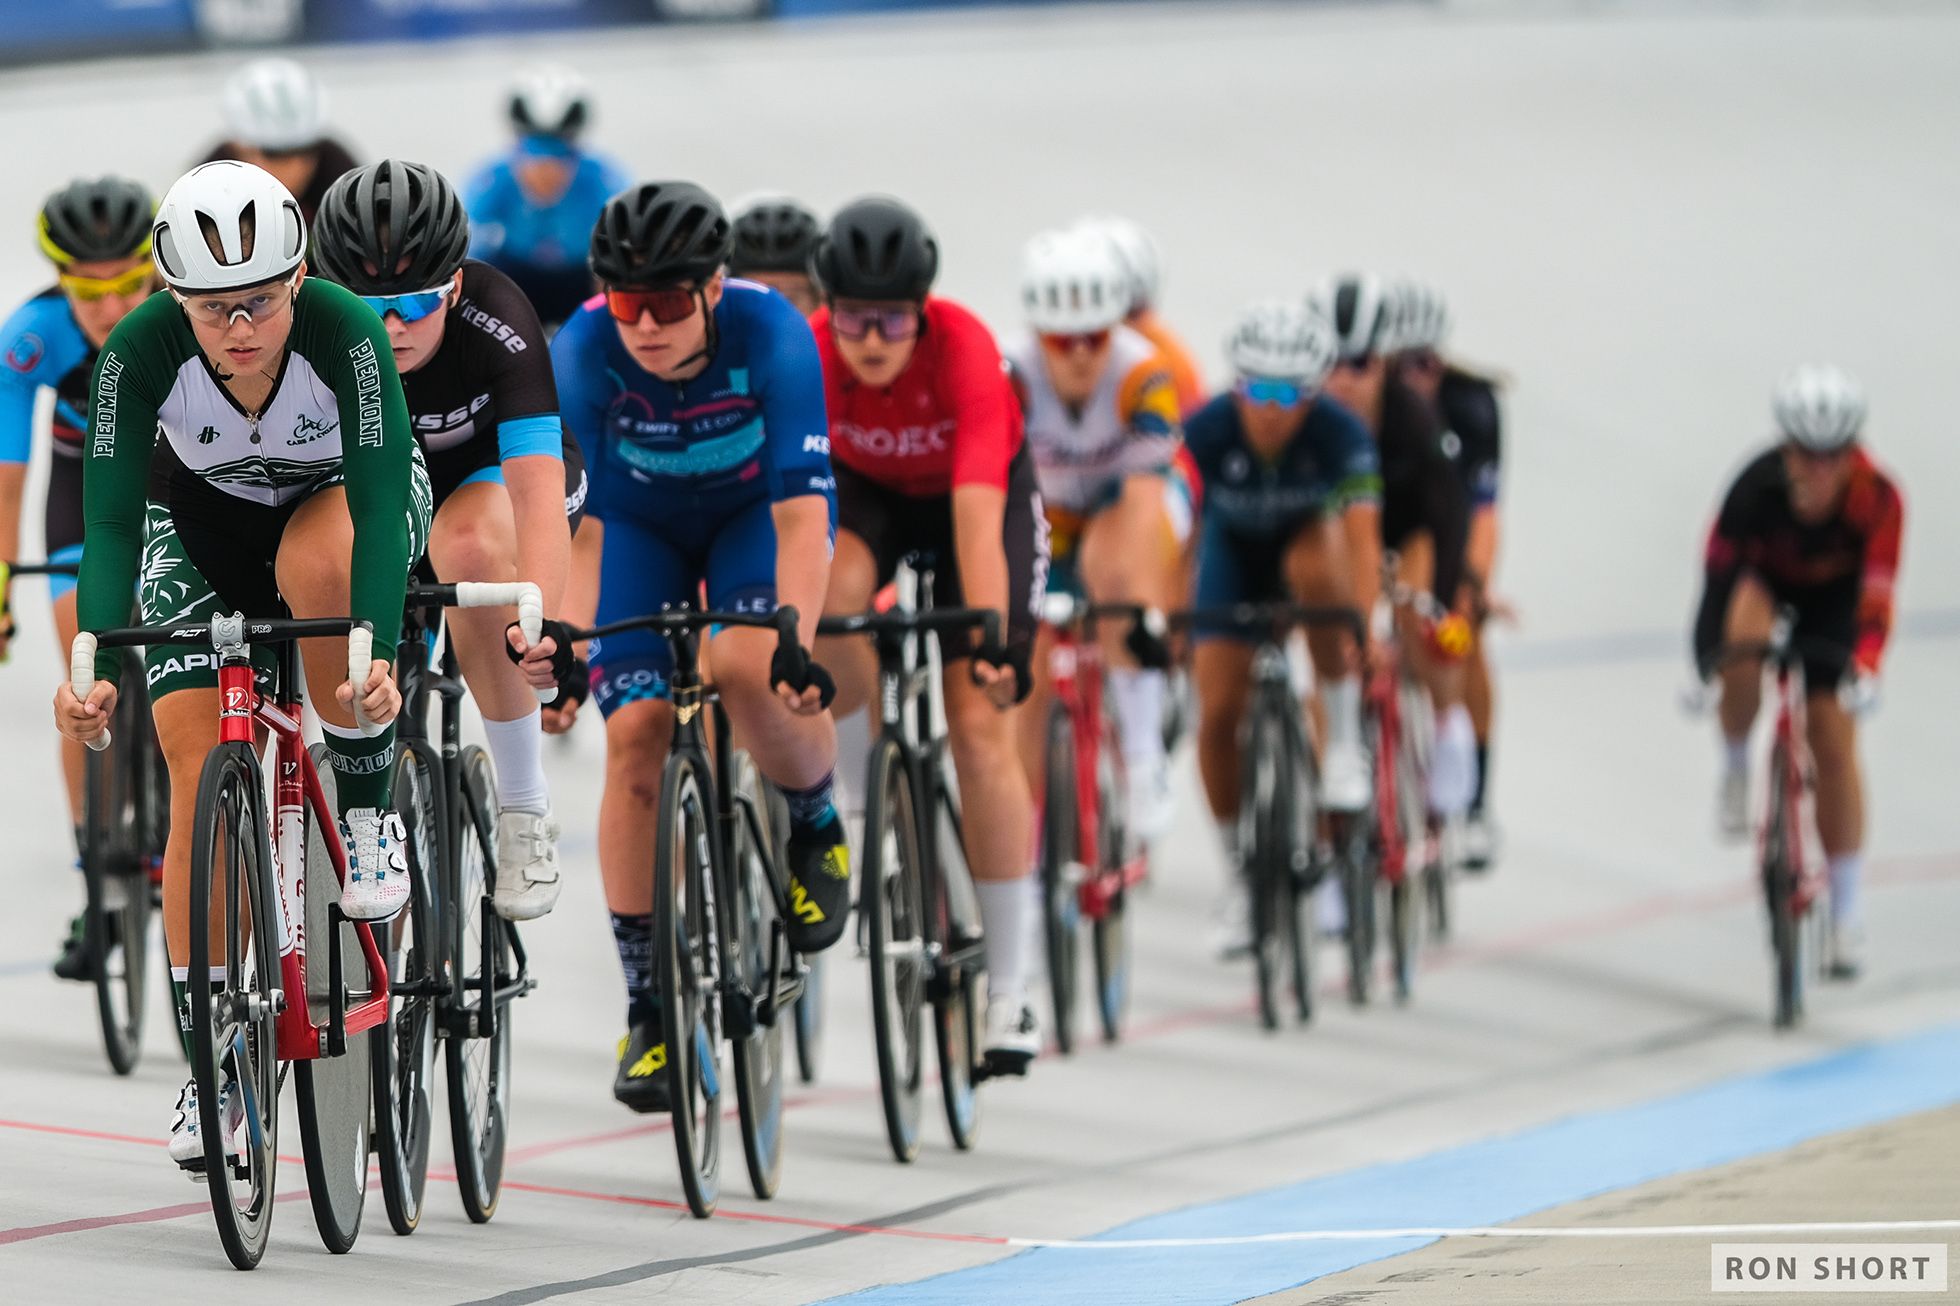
<point x="1698" y="697"/>
<point x="546" y="663"/>
<point x="1858" y="693"/>
<point x="7" y="637"/>
<point x="83" y="721"/>
<point x="804" y="686"/>
<point x="1146" y="642"/>
<point x="1001" y="673"/>
<point x="561" y="712"/>
<point x="381" y="701"/>
<point x="558" y="720"/>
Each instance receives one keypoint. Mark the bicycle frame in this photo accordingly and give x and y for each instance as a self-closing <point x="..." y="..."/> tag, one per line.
<point x="1075" y="668"/>
<point x="1383" y="697"/>
<point x="1790" y="732"/>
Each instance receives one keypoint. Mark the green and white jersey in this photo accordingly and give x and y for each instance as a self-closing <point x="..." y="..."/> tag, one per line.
<point x="337" y="406"/>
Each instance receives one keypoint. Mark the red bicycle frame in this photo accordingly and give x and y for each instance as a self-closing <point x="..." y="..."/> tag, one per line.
<point x="1788" y="742"/>
<point x="1075" y="667"/>
<point x="1383" y="698"/>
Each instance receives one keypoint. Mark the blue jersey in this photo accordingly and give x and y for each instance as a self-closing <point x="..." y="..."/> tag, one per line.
<point x="1329" y="463"/>
<point x="507" y="227"/>
<point x="42" y="345"/>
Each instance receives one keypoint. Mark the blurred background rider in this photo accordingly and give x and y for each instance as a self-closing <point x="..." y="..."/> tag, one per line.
<point x="774" y="238"/>
<point x="277" y="117"/>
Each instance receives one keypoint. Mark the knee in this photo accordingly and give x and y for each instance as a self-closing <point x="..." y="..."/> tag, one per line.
<point x="466" y="550"/>
<point x="980" y="735"/>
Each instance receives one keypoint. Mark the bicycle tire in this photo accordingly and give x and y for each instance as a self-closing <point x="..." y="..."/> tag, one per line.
<point x="809" y="1021"/>
<point x="959" y="1001"/>
<point x="404" y="1047"/>
<point x="758" y="1057"/>
<point x="477" y="1067"/>
<point x="230" y="828"/>
<point x="116" y="824"/>
<point x="688" y="968"/>
<point x="1260" y="803"/>
<point x="1061" y="907"/>
<point x="1779" y="885"/>
<point x="1304" y="824"/>
<point x="1109" y="934"/>
<point x="890" y="896"/>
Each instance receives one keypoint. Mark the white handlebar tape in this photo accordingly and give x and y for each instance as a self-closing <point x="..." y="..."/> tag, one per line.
<point x="81" y="678"/>
<point x="360" y="658"/>
<point x="522" y="595"/>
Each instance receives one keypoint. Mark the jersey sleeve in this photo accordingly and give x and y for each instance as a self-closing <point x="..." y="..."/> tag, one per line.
<point x="1722" y="559"/>
<point x="1207" y="434"/>
<point x="1878" y="508"/>
<point x="1147" y="400"/>
<point x="486" y="198"/>
<point x="521" y="380"/>
<point x="1348" y="452"/>
<point x="973" y="384"/>
<point x="38" y="345"/>
<point x="578" y="365"/>
<point x="788" y="378"/>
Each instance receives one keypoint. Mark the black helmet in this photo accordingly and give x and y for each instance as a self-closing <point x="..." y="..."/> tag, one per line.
<point x="876" y="248"/>
<point x="374" y="217"/>
<point x="660" y="233"/>
<point x="94" y="221"/>
<point x="773" y="235"/>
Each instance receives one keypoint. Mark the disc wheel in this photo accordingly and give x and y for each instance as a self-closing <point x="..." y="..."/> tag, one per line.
<point x="404" y="1048"/>
<point x="120" y="791"/>
<point x="891" y="899"/>
<point x="1780" y="835"/>
<point x="233" y="1041"/>
<point x="758" y="1057"/>
<point x="476" y="1061"/>
<point x="688" y="969"/>
<point x="1061" y="907"/>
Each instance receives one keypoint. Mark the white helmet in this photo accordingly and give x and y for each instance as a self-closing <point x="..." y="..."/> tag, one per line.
<point x="1073" y="281"/>
<point x="1355" y="304"/>
<point x="549" y="100"/>
<point x="1419" y="317"/>
<point x="274" y="104"/>
<point x="1283" y="339"/>
<point x="1138" y="252"/>
<point x="221" y="194"/>
<point x="1820" y="407"/>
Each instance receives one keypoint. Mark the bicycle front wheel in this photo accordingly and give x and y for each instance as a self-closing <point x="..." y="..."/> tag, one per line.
<point x="809" y="1021"/>
<point x="959" y="994"/>
<point x="234" y="1047"/>
<point x="1109" y="933"/>
<point x="891" y="897"/>
<point x="476" y="1058"/>
<point x="404" y="1048"/>
<point x="1262" y="815"/>
<point x="1061" y="906"/>
<point x="116" y="824"/>
<point x="758" y="1056"/>
<point x="688" y="969"/>
<point x="1781" y="849"/>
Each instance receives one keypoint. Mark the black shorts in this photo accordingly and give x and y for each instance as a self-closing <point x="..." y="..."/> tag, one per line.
<point x="893" y="525"/>
<point x="64" y="514"/>
<point x="1827" y="616"/>
<point x="481" y="460"/>
<point x="1234" y="569"/>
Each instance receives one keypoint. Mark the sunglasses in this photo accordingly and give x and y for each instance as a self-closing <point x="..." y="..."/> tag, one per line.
<point x="412" y="307"/>
<point x="262" y="303"/>
<point x="1068" y="343"/>
<point x="90" y="289"/>
<point x="668" y="305"/>
<point x="1817" y="457"/>
<point x="893" y="324"/>
<point x="1358" y="363"/>
<point x="1265" y="390"/>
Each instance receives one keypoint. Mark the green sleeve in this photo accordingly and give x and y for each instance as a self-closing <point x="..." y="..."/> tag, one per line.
<point x="133" y="376"/>
<point x="348" y="346"/>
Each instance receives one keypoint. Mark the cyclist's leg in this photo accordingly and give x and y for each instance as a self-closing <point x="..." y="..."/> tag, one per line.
<point x="1319" y="572"/>
<point x="1453" y="765"/>
<point x="1749" y="615"/>
<point x="1829" y="613"/>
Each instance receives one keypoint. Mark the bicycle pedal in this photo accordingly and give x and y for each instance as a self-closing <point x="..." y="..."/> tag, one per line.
<point x="996" y="1064"/>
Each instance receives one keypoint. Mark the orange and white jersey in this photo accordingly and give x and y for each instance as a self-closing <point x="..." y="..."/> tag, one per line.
<point x="1128" y="426"/>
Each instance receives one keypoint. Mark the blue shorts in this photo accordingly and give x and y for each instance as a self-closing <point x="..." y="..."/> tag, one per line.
<point x="1236" y="569"/>
<point x="646" y="568"/>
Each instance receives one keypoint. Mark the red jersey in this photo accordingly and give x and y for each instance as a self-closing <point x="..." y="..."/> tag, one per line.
<point x="949" y="419"/>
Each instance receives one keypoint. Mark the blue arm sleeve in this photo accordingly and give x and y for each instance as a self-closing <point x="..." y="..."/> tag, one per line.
<point x="38" y="345"/>
<point x="788" y="375"/>
<point x="578" y="365"/>
<point x="531" y="435"/>
<point x="486" y="200"/>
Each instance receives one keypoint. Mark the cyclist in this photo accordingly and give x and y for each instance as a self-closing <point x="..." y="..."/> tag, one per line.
<point x="531" y="212"/>
<point x="926" y="442"/>
<point x="1102" y="423"/>
<point x="476" y="371"/>
<point x="1811" y="524"/>
<point x="1472" y="440"/>
<point x="774" y="237"/>
<point x="1139" y="254"/>
<point x="277" y="116"/>
<point x="97" y="235"/>
<point x="1292" y="511"/>
<point x="698" y="401"/>
<point x="260" y="415"/>
<point x="1425" y="518"/>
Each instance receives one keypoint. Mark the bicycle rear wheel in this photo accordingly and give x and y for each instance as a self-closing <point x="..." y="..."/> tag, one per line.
<point x="958" y="999"/>
<point x="1109" y="933"/>
<point x="758" y="1056"/>
<point x="404" y="1048"/>
<point x="335" y="1093"/>
<point x="688" y="969"/>
<point x="476" y="1062"/>
<point x="116" y="821"/>
<point x="1061" y="906"/>
<point x="891" y="896"/>
<point x="1781" y="835"/>
<point x="233" y="1041"/>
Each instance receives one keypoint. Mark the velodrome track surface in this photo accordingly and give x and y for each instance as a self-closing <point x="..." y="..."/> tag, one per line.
<point x="1643" y="215"/>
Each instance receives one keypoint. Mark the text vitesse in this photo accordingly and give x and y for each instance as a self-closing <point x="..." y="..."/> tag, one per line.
<point x="496" y="328"/>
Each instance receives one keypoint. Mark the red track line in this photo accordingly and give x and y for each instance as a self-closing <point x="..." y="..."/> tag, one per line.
<point x="82" y="1133"/>
<point x="27" y="1232"/>
<point x="758" y="1218"/>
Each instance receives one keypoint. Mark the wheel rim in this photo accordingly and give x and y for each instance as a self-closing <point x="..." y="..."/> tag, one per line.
<point x="1061" y="909"/>
<point x="480" y="1067"/>
<point x="407" y="1043"/>
<point x="692" y="1001"/>
<point x="898" y="954"/>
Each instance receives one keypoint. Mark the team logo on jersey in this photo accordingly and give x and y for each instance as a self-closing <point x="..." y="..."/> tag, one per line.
<point x="306" y="430"/>
<point x="1236" y="465"/>
<point x="1452" y="444"/>
<point x="26" y="353"/>
<point x="207" y="435"/>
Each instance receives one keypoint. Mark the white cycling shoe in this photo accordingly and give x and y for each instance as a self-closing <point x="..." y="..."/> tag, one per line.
<point x="1231" y="920"/>
<point x="1013" y="1035"/>
<point x="527" y="864"/>
<point x="377" y="864"/>
<point x="1149" y="796"/>
<point x="1330" y="908"/>
<point x="1345" y="784"/>
<point x="187" y="1129"/>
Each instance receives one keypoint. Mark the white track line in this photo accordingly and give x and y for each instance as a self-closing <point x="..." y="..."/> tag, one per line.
<point x="1499" y="1231"/>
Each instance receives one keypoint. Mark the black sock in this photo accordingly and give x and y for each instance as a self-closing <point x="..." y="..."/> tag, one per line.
<point x="809" y="808"/>
<point x="633" y="936"/>
<point x="1483" y="775"/>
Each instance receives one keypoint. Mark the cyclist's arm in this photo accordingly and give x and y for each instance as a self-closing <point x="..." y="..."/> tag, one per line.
<point x="530" y="444"/>
<point x="17" y="395"/>
<point x="1147" y="400"/>
<point x="486" y="200"/>
<point x="986" y="434"/>
<point x="1880" y="573"/>
<point x="803" y="542"/>
<point x="1361" y="523"/>
<point x="979" y="514"/>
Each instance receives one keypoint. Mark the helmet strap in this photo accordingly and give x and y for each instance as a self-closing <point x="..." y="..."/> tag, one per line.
<point x="711" y="343"/>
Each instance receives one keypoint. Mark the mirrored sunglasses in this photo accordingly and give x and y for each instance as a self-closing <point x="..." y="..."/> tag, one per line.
<point x="893" y="324"/>
<point x="90" y="289"/>
<point x="668" y="305"/>
<point x="1069" y="342"/>
<point x="411" y="307"/>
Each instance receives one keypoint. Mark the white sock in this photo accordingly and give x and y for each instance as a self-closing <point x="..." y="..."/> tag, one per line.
<point x="1228" y="837"/>
<point x="1453" y="769"/>
<point x="1844" y="888"/>
<point x="517" y="749"/>
<point x="1735" y="754"/>
<point x="1006" y="909"/>
<point x="182" y="974"/>
<point x="1139" y="700"/>
<point x="1342" y="700"/>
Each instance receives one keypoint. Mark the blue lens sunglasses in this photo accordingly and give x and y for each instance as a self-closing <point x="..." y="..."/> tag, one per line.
<point x="413" y="307"/>
<point x="1265" y="390"/>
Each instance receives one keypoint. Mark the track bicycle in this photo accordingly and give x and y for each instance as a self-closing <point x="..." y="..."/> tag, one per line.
<point x="272" y="880"/>
<point x="1280" y="849"/>
<point x="1089" y="862"/>
<point x="1792" y="874"/>
<point x="125" y="823"/>
<point x="916" y="908"/>
<point x="722" y="963"/>
<point x="455" y="966"/>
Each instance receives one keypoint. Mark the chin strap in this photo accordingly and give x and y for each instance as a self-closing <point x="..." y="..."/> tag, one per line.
<point x="710" y="345"/>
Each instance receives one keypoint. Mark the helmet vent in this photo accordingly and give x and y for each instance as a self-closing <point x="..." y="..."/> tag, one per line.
<point x="214" y="235"/>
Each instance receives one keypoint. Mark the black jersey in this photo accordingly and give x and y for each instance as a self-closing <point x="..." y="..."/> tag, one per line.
<point x="1420" y="486"/>
<point x="1473" y="437"/>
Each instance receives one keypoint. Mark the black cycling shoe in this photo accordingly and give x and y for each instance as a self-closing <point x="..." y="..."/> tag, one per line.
<point x="74" y="962"/>
<point x="819" y="885"/>
<point x="641" y="1082"/>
